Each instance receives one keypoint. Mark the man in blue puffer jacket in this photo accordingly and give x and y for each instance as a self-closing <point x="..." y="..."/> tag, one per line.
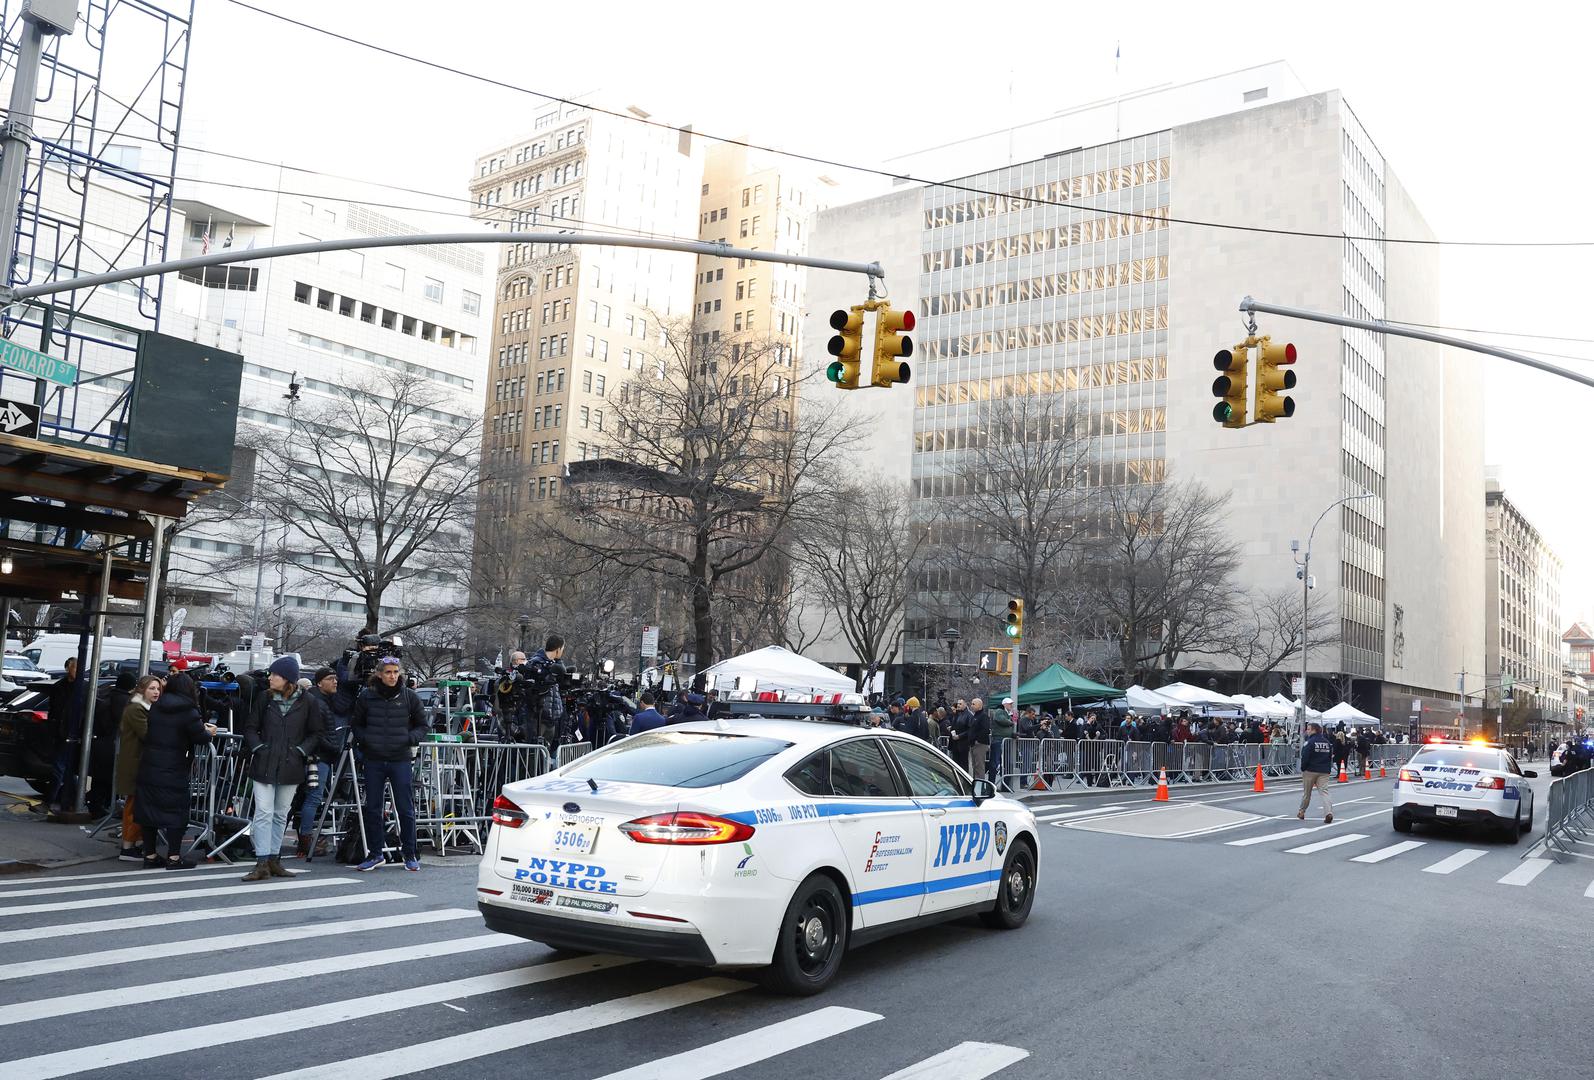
<point x="1317" y="761"/>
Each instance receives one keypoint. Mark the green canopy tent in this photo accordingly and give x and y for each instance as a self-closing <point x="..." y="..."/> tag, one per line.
<point x="1057" y="683"/>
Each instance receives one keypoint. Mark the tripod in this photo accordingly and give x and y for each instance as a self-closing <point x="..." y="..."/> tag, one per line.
<point x="347" y="768"/>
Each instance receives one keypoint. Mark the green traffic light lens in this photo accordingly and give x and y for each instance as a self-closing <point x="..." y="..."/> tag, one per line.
<point x="1012" y="631"/>
<point x="1222" y="411"/>
<point x="833" y="372"/>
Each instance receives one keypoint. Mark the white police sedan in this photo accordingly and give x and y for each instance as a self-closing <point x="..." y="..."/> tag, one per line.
<point x="1454" y="783"/>
<point x="773" y="844"/>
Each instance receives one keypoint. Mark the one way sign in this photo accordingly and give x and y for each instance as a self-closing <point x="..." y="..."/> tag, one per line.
<point x="19" y="418"/>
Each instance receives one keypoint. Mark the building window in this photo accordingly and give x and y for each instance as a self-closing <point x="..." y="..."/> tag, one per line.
<point x="586" y="416"/>
<point x="598" y="385"/>
<point x="433" y="290"/>
<point x="470" y="303"/>
<point x="586" y="381"/>
<point x="590" y="347"/>
<point x="393" y="277"/>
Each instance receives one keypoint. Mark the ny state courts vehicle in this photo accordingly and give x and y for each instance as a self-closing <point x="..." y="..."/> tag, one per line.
<point x="754" y="843"/>
<point x="1461" y="783"/>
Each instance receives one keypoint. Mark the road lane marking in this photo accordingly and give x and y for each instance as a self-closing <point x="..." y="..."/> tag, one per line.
<point x="1456" y="861"/>
<point x="181" y="894"/>
<point x="135" y="953"/>
<point x="116" y="881"/>
<point x="1323" y="845"/>
<point x="1080" y="813"/>
<point x="103" y="875"/>
<point x="965" y="1061"/>
<point x="110" y="1055"/>
<point x="419" y="1057"/>
<point x="228" y="981"/>
<point x="1590" y="890"/>
<point x="749" y="1048"/>
<point x="164" y="918"/>
<point x="1249" y="840"/>
<point x="1389" y="852"/>
<point x="1524" y="874"/>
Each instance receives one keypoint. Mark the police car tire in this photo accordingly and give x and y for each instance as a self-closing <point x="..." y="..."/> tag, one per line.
<point x="1513" y="831"/>
<point x="1009" y="913"/>
<point x="1402" y="823"/>
<point x="817" y="898"/>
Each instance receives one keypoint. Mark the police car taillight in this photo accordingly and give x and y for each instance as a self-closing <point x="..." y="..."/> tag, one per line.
<point x="686" y="827"/>
<point x="507" y="813"/>
<point x="1491" y="783"/>
<point x="1410" y="776"/>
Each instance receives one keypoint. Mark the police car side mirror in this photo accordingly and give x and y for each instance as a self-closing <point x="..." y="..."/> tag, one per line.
<point x="1531" y="774"/>
<point x="983" y="789"/>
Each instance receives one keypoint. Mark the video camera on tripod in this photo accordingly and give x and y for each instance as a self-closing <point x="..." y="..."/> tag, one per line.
<point x="220" y="698"/>
<point x="369" y="651"/>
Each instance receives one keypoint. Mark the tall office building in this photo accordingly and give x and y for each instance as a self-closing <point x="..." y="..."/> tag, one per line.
<point x="325" y="322"/>
<point x="1075" y="267"/>
<point x="1522" y="606"/>
<point x="571" y="323"/>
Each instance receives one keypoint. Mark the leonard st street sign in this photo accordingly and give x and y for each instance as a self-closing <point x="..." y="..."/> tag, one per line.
<point x="35" y="363"/>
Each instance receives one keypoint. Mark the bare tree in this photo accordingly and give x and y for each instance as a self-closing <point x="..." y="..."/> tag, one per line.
<point x="1162" y="575"/>
<point x="1267" y="635"/>
<point x="857" y="550"/>
<point x="375" y="487"/>
<point x="710" y="464"/>
<point x="1010" y="527"/>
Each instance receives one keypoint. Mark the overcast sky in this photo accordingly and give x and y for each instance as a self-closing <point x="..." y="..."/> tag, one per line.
<point x="1482" y="116"/>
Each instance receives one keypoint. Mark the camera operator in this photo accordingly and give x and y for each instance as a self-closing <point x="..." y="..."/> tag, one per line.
<point x="283" y="731"/>
<point x="389" y="723"/>
<point x="356" y="667"/>
<point x="544" y="674"/>
<point x="509" y="697"/>
<point x="335" y="730"/>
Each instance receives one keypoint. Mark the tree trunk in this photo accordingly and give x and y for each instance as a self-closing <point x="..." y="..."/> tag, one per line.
<point x="702" y="607"/>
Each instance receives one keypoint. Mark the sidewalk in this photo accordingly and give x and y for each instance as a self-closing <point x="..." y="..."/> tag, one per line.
<point x="28" y="842"/>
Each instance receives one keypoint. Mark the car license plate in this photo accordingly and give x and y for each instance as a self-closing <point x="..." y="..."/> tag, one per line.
<point x="577" y="839"/>
<point x="531" y="894"/>
<point x="1444" y="811"/>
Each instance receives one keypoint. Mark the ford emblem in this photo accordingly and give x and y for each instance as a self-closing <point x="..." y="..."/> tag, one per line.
<point x="572" y="808"/>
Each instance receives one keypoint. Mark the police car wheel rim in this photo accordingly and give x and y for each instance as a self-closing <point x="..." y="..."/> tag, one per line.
<point x="1017" y="883"/>
<point x="815" y="930"/>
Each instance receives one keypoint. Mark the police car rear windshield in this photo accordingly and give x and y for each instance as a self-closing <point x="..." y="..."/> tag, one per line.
<point x="684" y="759"/>
<point x="1461" y="757"/>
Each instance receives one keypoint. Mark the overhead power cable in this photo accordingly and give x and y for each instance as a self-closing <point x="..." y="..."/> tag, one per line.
<point x="886" y="173"/>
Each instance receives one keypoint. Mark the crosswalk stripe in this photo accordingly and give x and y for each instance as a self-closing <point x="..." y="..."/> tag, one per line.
<point x="1590" y="890"/>
<point x="1389" y="852"/>
<point x="194" y="946"/>
<point x="1080" y="813"/>
<point x="965" y="1061"/>
<point x="180" y="1040"/>
<point x="1249" y="840"/>
<point x="1524" y="874"/>
<point x="1323" y="845"/>
<point x="419" y="1057"/>
<point x="93" y="1000"/>
<point x="116" y="881"/>
<point x="749" y="1048"/>
<point x="1455" y="862"/>
<point x="102" y="875"/>
<point x="165" y="918"/>
<point x="166" y="897"/>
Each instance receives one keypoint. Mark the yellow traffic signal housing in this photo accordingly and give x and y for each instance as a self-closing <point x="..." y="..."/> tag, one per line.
<point x="846" y="346"/>
<point x="891" y="344"/>
<point x="1272" y="378"/>
<point x="1015" y="619"/>
<point x="1232" y="410"/>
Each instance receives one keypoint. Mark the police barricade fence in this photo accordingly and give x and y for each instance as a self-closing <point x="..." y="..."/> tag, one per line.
<point x="457" y="781"/>
<point x="1570" y="815"/>
<point x="570" y="752"/>
<point x="1055" y="762"/>
<point x="1100" y="762"/>
<point x="1137" y="767"/>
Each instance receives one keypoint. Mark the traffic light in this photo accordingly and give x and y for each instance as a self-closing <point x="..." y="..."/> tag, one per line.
<point x="1015" y="619"/>
<point x="1231" y="411"/>
<point x="891" y="345"/>
<point x="846" y="347"/>
<point x="1271" y="381"/>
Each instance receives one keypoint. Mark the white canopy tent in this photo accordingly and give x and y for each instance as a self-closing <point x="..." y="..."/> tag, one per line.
<point x="1141" y="700"/>
<point x="1350" y="714"/>
<point x="1266" y="708"/>
<point x="1311" y="714"/>
<point x="776" y="670"/>
<point x="1188" y="695"/>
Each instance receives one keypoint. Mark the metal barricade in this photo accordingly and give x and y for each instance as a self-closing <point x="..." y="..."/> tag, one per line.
<point x="1100" y="762"/>
<point x="1021" y="764"/>
<point x="1137" y="768"/>
<point x="570" y="751"/>
<point x="1570" y="815"/>
<point x="456" y="783"/>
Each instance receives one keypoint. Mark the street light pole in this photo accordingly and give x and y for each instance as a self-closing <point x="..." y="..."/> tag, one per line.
<point x="1306" y="593"/>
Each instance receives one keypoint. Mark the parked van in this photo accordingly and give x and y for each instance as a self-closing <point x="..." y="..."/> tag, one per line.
<point x="49" y="652"/>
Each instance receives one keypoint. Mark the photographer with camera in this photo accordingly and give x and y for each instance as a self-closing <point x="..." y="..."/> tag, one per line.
<point x="356" y="667"/>
<point x="389" y="723"/>
<point x="545" y="677"/>
<point x="323" y="691"/>
<point x="283" y="730"/>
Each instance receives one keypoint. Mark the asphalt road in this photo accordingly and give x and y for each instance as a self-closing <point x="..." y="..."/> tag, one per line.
<point x="1144" y="957"/>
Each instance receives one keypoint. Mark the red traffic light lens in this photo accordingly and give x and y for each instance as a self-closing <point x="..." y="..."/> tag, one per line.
<point x="909" y="322"/>
<point x="1289" y="354"/>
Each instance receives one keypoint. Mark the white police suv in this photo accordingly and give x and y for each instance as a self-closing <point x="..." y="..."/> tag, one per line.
<point x="753" y="843"/>
<point x="1455" y="783"/>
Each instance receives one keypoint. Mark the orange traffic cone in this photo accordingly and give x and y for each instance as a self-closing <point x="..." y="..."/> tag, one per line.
<point x="1039" y="784"/>
<point x="1343" y="778"/>
<point x="1381" y="773"/>
<point x="1162" y="786"/>
<point x="1258" y="785"/>
<point x="1367" y="771"/>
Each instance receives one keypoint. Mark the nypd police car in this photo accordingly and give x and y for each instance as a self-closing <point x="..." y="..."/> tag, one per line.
<point x="1454" y="783"/>
<point x="771" y="844"/>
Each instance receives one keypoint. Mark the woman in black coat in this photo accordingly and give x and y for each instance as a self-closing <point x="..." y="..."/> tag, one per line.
<point x="281" y="736"/>
<point x="160" y="801"/>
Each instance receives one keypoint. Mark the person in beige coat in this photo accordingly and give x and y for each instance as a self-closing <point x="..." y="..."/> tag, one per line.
<point x="129" y="750"/>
